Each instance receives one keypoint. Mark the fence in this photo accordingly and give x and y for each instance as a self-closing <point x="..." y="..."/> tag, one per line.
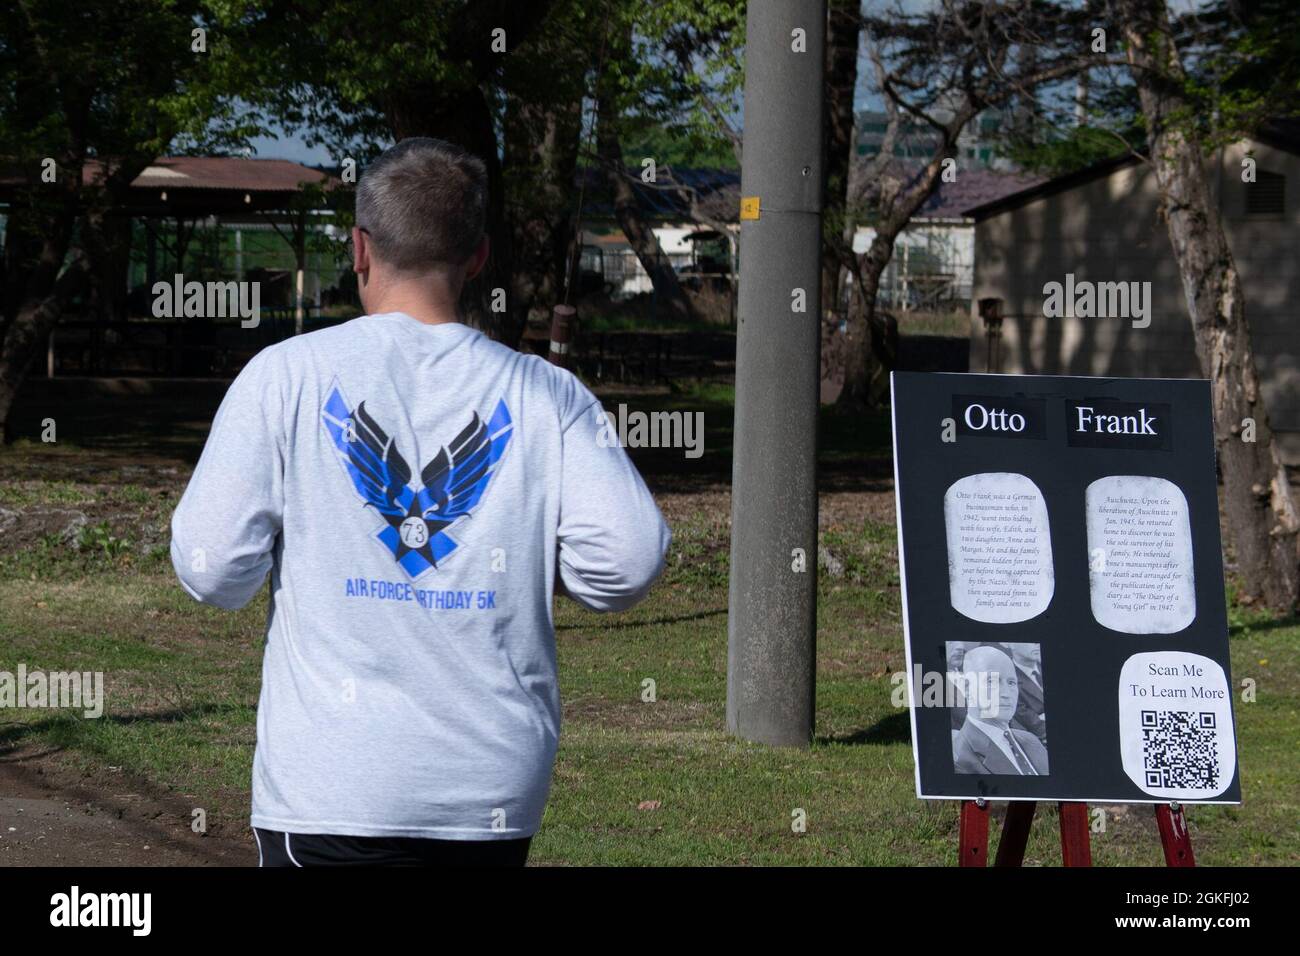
<point x="932" y="268"/>
<point x="165" y="347"/>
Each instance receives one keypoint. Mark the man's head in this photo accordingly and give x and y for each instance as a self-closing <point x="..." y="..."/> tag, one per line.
<point x="991" y="676"/>
<point x="1025" y="656"/>
<point x="421" y="222"/>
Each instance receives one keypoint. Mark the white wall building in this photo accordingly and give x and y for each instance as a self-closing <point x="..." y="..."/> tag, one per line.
<point x="1104" y="224"/>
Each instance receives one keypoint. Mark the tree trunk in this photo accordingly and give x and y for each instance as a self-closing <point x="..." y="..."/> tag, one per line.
<point x="1262" y="515"/>
<point x="872" y="348"/>
<point x="22" y="248"/>
<point x="541" y="154"/>
<point x="36" y="317"/>
<point x="843" y="26"/>
<point x="873" y="339"/>
<point x="627" y="210"/>
<point x="36" y="293"/>
<point x="45" y="287"/>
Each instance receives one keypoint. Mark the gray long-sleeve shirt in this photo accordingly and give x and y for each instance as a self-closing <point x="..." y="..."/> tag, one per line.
<point x="413" y="491"/>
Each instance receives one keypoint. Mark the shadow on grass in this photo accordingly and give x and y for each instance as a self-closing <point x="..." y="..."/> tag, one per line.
<point x="1275" y="624"/>
<point x="171" y="423"/>
<point x="623" y="625"/>
<point x="894" y="729"/>
<point x="854" y="449"/>
<point x="171" y="427"/>
<point x="62" y="724"/>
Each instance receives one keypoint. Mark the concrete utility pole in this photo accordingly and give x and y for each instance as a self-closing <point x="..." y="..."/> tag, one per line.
<point x="772" y="628"/>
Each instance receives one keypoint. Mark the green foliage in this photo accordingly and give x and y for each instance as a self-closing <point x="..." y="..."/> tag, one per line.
<point x="1064" y="152"/>
<point x="679" y="147"/>
<point x="117" y="78"/>
<point x="46" y="493"/>
<point x="343" y="71"/>
<point x="686" y="75"/>
<point x="326" y="69"/>
<point x="1243" y="68"/>
<point x="1053" y="145"/>
<point x="100" y="539"/>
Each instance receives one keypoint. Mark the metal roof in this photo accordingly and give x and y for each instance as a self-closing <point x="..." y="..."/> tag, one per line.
<point x="227" y="172"/>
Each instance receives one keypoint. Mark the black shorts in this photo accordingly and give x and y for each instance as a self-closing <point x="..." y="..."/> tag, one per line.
<point x="275" y="848"/>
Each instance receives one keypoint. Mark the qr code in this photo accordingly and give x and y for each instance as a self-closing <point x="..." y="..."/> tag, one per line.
<point x="1179" y="749"/>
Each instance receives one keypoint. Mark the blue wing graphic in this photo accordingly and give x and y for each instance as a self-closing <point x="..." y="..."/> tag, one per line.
<point x="453" y="482"/>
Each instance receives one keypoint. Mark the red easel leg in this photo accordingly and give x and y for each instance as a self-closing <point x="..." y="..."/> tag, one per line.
<point x="1174" y="836"/>
<point x="1076" y="849"/>
<point x="1015" y="833"/>
<point x="974" y="834"/>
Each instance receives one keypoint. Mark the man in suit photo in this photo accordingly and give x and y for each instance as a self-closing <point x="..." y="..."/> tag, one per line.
<point x="987" y="743"/>
<point x="1030" y="711"/>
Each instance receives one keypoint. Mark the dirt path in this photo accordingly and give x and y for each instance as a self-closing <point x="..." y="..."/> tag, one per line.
<point x="51" y="815"/>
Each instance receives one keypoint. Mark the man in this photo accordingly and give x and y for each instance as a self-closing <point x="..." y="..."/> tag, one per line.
<point x="1030" y="712"/>
<point x="987" y="743"/>
<point x="418" y="493"/>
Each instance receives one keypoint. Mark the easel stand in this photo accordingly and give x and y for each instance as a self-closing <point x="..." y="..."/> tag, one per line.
<point x="1076" y="847"/>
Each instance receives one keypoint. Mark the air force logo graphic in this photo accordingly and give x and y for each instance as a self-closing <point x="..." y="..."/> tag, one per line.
<point x="451" y="485"/>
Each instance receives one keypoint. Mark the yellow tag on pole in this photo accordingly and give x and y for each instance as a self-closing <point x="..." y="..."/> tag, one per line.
<point x="749" y="207"/>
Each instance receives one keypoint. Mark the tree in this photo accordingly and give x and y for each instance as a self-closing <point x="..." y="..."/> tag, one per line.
<point x="843" y="35"/>
<point x="1056" y="135"/>
<point x="687" y="83"/>
<point x="652" y="75"/>
<point x="680" y="148"/>
<point x="940" y="69"/>
<point x="670" y="71"/>
<point x="89" y="97"/>
<point x="540" y="162"/>
<point x="1261" y="510"/>
<point x="627" y="207"/>
<point x="356" y="76"/>
<point x="508" y="81"/>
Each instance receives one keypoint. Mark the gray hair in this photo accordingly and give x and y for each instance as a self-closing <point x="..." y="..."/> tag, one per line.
<point x="423" y="203"/>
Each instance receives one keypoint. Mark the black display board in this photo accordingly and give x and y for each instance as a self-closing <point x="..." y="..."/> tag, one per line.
<point x="1063" y="596"/>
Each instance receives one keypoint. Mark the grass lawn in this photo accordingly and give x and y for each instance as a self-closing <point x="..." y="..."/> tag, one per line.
<point x="85" y="584"/>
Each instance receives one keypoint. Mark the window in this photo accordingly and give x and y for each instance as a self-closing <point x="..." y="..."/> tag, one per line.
<point x="1266" y="196"/>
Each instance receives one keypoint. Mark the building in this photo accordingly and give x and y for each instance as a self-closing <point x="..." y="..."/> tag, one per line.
<point x="933" y="265"/>
<point x="1103" y="224"/>
<point x="209" y="218"/>
<point x="671" y="207"/>
<point x="249" y="214"/>
<point x="932" y="268"/>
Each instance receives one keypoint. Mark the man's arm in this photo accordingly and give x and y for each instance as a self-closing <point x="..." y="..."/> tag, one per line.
<point x="224" y="529"/>
<point x="612" y="536"/>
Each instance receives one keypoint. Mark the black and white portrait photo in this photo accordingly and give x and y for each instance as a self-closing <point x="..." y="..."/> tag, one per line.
<point x="999" y="724"/>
